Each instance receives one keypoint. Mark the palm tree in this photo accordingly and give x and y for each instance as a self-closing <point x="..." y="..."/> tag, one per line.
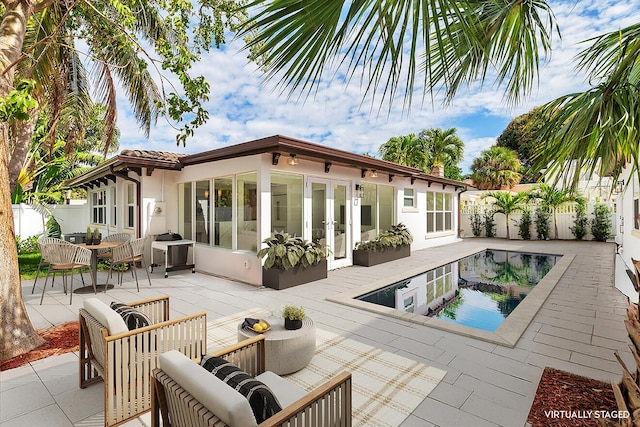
<point x="552" y="198"/>
<point x="497" y="167"/>
<point x="407" y="150"/>
<point x="506" y="203"/>
<point x="444" y="148"/>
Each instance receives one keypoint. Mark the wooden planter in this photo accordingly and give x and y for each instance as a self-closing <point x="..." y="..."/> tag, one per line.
<point x="369" y="258"/>
<point x="283" y="279"/>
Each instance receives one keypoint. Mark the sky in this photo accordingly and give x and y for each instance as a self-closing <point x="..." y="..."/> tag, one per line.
<point x="243" y="107"/>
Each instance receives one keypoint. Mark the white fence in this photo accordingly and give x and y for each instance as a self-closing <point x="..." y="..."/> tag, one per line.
<point x="565" y="218"/>
<point x="29" y="222"/>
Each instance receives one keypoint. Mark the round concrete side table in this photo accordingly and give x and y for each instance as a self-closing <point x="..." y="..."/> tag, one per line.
<point x="285" y="351"/>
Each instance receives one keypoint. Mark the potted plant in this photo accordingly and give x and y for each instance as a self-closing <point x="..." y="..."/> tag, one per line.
<point x="293" y="316"/>
<point x="89" y="237"/>
<point x="290" y="261"/>
<point x="391" y="244"/>
<point x="97" y="237"/>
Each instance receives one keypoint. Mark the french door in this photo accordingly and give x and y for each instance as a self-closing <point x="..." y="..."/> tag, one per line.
<point x="330" y="214"/>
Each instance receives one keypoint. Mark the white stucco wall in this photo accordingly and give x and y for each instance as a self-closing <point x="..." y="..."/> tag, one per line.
<point x="626" y="235"/>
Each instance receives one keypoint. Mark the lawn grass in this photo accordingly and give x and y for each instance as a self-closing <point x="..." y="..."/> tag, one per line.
<point x="28" y="265"/>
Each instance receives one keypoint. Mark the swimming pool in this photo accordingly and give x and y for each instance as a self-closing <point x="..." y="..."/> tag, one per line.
<point x="478" y="291"/>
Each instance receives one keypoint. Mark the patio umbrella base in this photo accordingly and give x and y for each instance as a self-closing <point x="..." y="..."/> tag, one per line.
<point x="89" y="289"/>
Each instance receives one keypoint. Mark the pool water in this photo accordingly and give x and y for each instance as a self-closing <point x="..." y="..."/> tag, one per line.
<point x="479" y="291"/>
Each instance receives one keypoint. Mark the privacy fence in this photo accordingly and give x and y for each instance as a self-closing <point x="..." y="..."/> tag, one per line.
<point x="30" y="221"/>
<point x="566" y="215"/>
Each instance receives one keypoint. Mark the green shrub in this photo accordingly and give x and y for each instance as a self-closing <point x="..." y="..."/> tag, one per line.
<point x="580" y="223"/>
<point x="543" y="229"/>
<point x="28" y="245"/>
<point x="489" y="223"/>
<point x="476" y="223"/>
<point x="601" y="223"/>
<point x="524" y="225"/>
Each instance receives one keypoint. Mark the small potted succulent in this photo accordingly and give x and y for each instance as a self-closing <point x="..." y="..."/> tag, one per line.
<point x="293" y="316"/>
<point x="97" y="237"/>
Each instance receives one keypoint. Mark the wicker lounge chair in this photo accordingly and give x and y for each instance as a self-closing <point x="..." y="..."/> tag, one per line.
<point x="124" y="359"/>
<point x="200" y="399"/>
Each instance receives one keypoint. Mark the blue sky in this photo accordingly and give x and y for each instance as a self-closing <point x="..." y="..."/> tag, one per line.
<point x="243" y="107"/>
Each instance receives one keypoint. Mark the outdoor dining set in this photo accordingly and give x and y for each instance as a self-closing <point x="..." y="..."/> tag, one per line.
<point x="60" y="256"/>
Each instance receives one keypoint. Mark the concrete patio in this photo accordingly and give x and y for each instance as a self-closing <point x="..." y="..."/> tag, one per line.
<point x="577" y="329"/>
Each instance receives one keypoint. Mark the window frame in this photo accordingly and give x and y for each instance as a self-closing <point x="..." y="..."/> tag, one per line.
<point x="436" y="215"/>
<point x="97" y="207"/>
<point x="130" y="212"/>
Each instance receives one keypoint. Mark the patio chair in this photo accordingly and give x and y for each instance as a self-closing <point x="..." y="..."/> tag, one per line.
<point x="65" y="257"/>
<point x="636" y="269"/>
<point x="42" y="241"/>
<point x="124" y="359"/>
<point x="130" y="253"/>
<point x="105" y="254"/>
<point x="185" y="395"/>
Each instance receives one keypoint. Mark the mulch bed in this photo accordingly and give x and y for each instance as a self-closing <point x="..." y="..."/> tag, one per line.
<point x="562" y="391"/>
<point x="59" y="339"/>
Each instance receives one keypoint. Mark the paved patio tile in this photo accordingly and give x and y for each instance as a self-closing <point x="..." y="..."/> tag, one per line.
<point x="23" y="399"/>
<point x="577" y="329"/>
<point x="50" y="415"/>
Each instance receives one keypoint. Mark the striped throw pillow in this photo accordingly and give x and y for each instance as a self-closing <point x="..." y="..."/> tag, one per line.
<point x="263" y="403"/>
<point x="133" y="318"/>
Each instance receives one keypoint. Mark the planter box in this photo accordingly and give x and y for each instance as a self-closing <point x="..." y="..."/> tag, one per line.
<point x="369" y="258"/>
<point x="283" y="279"/>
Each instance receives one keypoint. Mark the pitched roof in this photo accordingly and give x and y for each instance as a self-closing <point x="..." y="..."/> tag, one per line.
<point x="277" y="145"/>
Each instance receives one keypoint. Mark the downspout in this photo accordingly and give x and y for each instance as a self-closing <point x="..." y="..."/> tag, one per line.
<point x="460" y="210"/>
<point x="138" y="197"/>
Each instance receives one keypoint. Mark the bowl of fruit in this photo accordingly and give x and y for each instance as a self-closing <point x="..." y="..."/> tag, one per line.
<point x="260" y="326"/>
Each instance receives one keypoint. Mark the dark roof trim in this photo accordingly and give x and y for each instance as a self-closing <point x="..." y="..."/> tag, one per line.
<point x="310" y="151"/>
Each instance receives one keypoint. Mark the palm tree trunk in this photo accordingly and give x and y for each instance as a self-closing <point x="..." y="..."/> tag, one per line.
<point x="21" y="134"/>
<point x="555" y="223"/>
<point x="507" y="220"/>
<point x="17" y="334"/>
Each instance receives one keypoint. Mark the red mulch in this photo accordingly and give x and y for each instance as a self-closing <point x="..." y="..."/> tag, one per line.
<point x="59" y="339"/>
<point x="562" y="391"/>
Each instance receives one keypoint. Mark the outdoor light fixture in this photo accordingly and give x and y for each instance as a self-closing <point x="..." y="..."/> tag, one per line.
<point x="293" y="161"/>
<point x="359" y="191"/>
<point x="619" y="186"/>
<point x="206" y="194"/>
<point x="374" y="174"/>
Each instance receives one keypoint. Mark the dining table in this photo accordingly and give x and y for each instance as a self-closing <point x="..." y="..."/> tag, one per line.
<point x="94" y="266"/>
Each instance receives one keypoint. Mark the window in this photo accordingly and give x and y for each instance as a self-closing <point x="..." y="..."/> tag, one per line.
<point x="286" y="203"/>
<point x="247" y="211"/>
<point x="409" y="198"/>
<point x="114" y="207"/>
<point x="439" y="212"/>
<point x="202" y="208"/>
<point x="99" y="207"/>
<point x="376" y="210"/>
<point x="439" y="283"/>
<point x="222" y="214"/>
<point x="131" y="206"/>
<point x="184" y="214"/>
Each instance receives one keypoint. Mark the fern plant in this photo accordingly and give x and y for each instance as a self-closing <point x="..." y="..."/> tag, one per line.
<point x="524" y="225"/>
<point x="601" y="223"/>
<point x="476" y="223"/>
<point x="489" y="223"/>
<point x="285" y="252"/>
<point x="580" y="223"/>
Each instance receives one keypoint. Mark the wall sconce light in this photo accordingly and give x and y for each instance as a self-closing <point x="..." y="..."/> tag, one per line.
<point x="293" y="161"/>
<point x="206" y="194"/>
<point x="359" y="191"/>
<point x="619" y="187"/>
<point x="374" y="174"/>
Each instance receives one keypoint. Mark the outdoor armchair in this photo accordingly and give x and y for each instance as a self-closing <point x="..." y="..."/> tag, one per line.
<point x="124" y="359"/>
<point x="186" y="395"/>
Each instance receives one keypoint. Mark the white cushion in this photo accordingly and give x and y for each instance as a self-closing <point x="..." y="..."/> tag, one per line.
<point x="106" y="316"/>
<point x="228" y="405"/>
<point x="285" y="391"/>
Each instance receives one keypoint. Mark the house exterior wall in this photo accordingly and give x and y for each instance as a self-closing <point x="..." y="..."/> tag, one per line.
<point x="627" y="232"/>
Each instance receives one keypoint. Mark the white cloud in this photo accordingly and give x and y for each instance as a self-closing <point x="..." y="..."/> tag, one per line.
<point x="242" y="107"/>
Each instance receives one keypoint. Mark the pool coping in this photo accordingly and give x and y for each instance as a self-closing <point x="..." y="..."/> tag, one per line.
<point x="507" y="334"/>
